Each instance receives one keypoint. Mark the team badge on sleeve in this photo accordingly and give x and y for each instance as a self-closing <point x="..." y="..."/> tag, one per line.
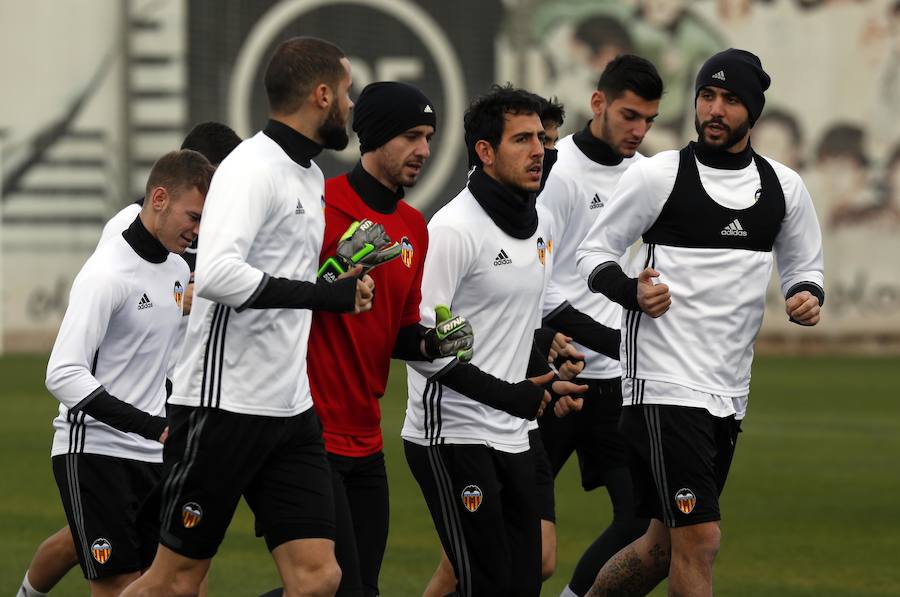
<point x="541" y="249"/>
<point x="685" y="500"/>
<point x="101" y="550"/>
<point x="179" y="293"/>
<point x="471" y="497"/>
<point x="406" y="251"/>
<point x="191" y="513"/>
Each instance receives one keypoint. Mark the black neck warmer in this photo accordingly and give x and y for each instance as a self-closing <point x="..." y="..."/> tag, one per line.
<point x="595" y="149"/>
<point x="374" y="194"/>
<point x="299" y="148"/>
<point x="512" y="210"/>
<point x="721" y="159"/>
<point x="144" y="244"/>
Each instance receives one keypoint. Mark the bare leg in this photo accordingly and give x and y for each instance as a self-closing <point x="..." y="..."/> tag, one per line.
<point x="171" y="575"/>
<point x="443" y="581"/>
<point x="54" y="557"/>
<point x="548" y="549"/>
<point x="694" y="550"/>
<point x="308" y="567"/>
<point x="112" y="586"/>
<point x="638" y="567"/>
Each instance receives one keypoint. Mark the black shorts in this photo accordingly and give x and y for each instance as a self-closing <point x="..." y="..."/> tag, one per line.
<point x="679" y="459"/>
<point x="592" y="433"/>
<point x="484" y="507"/>
<point x="546" y="501"/>
<point x="102" y="497"/>
<point x="213" y="457"/>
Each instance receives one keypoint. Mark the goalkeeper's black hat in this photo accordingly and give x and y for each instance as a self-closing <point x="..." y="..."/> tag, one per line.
<point x="388" y="108"/>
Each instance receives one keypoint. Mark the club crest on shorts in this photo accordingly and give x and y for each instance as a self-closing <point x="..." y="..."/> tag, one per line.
<point x="541" y="249"/>
<point x="179" y="293"/>
<point x="685" y="500"/>
<point x="471" y="497"/>
<point x="101" y="549"/>
<point x="406" y="251"/>
<point x="191" y="513"/>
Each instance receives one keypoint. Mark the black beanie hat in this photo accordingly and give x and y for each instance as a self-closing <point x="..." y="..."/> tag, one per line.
<point x="741" y="73"/>
<point x="386" y="109"/>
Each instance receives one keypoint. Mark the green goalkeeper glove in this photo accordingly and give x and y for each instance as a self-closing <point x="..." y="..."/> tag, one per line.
<point x="364" y="243"/>
<point x="450" y="337"/>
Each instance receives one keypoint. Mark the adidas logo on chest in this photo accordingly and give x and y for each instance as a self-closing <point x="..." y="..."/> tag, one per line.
<point x="502" y="258"/>
<point x="734" y="229"/>
<point x="596" y="202"/>
<point x="145" y="302"/>
<point x="299" y="210"/>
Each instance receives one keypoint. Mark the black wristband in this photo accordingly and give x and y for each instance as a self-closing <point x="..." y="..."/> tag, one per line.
<point x="106" y="408"/>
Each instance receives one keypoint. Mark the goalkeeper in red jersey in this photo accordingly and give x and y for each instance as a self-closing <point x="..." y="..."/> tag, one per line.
<point x="367" y="223"/>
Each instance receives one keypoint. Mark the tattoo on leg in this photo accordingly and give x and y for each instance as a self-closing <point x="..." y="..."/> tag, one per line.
<point x="661" y="559"/>
<point x="623" y="575"/>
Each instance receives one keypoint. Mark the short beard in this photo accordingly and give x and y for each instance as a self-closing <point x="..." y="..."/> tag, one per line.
<point x="732" y="139"/>
<point x="333" y="132"/>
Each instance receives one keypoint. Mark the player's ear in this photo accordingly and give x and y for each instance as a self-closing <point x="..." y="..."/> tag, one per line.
<point x="598" y="102"/>
<point x="322" y="96"/>
<point x="159" y="198"/>
<point x="485" y="152"/>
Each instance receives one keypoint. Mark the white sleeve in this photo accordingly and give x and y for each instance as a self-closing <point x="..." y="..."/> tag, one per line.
<point x="450" y="253"/>
<point x="633" y="208"/>
<point x="92" y="302"/>
<point x="798" y="246"/>
<point x="236" y="208"/>
<point x="556" y="199"/>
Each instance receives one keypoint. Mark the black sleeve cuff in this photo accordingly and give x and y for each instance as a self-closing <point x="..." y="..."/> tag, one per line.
<point x="537" y="360"/>
<point x="520" y="399"/>
<point x="120" y="415"/>
<point x="281" y="293"/>
<point x="407" y="347"/>
<point x="609" y="279"/>
<point x="584" y="330"/>
<point x="813" y="289"/>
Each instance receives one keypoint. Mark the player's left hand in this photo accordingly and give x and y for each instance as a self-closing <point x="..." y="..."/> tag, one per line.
<point x="803" y="308"/>
<point x="567" y="403"/>
<point x="164" y="436"/>
<point x="570" y="369"/>
<point x="451" y="336"/>
<point x="364" y="243"/>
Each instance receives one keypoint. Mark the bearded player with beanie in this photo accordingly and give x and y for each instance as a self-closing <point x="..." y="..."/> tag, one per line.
<point x="395" y="123"/>
<point x="713" y="218"/>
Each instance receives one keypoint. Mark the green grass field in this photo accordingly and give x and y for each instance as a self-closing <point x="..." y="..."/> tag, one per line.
<point x="812" y="506"/>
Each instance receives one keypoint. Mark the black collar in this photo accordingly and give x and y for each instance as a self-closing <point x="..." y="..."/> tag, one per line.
<point x="721" y="159"/>
<point x="596" y="149"/>
<point x="374" y="194"/>
<point x="299" y="148"/>
<point x="512" y="210"/>
<point x="144" y="244"/>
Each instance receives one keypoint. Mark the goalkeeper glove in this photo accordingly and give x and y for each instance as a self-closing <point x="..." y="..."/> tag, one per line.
<point x="450" y="337"/>
<point x="364" y="243"/>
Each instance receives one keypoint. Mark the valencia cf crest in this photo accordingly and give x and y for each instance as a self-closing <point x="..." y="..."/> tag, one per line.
<point x="541" y="249"/>
<point x="406" y="251"/>
<point x="179" y="293"/>
<point x="685" y="500"/>
<point x="101" y="550"/>
<point x="471" y="497"/>
<point x="191" y="513"/>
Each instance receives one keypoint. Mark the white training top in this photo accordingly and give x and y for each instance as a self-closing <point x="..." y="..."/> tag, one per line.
<point x="498" y="283"/>
<point x="262" y="217"/>
<point x="704" y="342"/>
<point x="118" y="332"/>
<point x="576" y="192"/>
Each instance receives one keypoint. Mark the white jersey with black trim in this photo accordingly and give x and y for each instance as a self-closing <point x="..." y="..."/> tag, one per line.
<point x="498" y="283"/>
<point x="576" y="192"/>
<point x="704" y="342"/>
<point x="263" y="217"/>
<point x="118" y="332"/>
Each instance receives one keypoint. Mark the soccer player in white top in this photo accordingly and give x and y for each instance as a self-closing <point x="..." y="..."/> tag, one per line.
<point x="241" y="412"/>
<point x="711" y="216"/>
<point x="589" y="164"/>
<point x="56" y="555"/>
<point x="108" y="370"/>
<point x="466" y="427"/>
